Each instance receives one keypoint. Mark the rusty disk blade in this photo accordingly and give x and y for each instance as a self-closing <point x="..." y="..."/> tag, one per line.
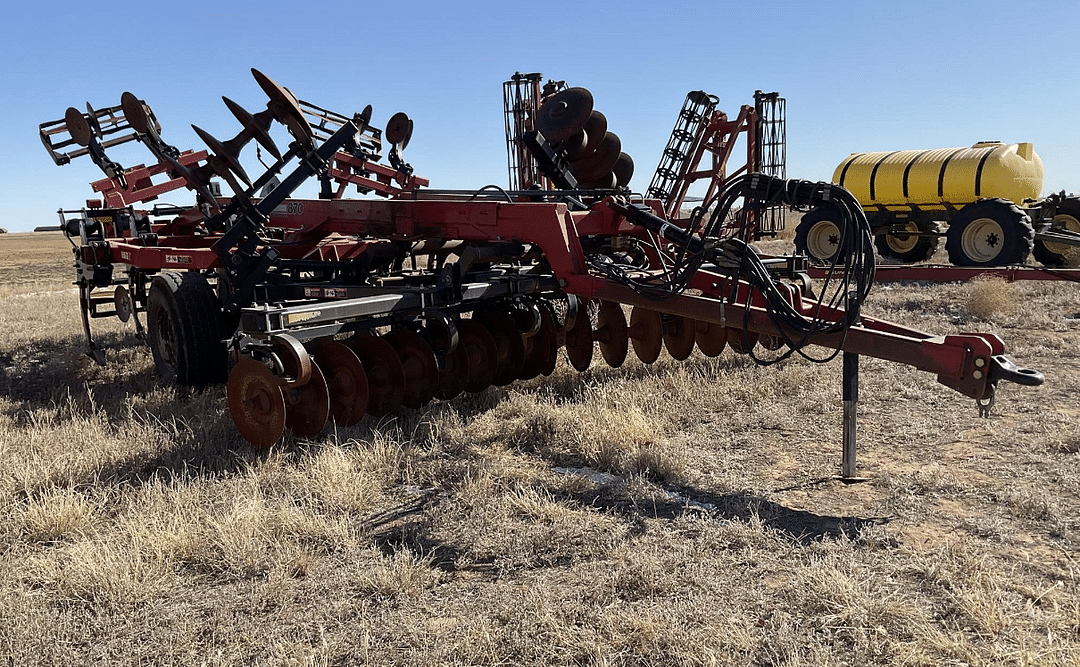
<point x="606" y="182"/>
<point x="711" y="338"/>
<point x="612" y="333"/>
<point x="135" y="113"/>
<point x="542" y="348"/>
<point x="419" y="364"/>
<point x="256" y="404"/>
<point x="549" y="329"/>
<point x="308" y="405"/>
<point x="254" y="128"/>
<point x="646" y="332"/>
<point x="285" y="106"/>
<point x="599" y="163"/>
<point x="454" y="374"/>
<point x="385" y="375"/>
<point x="564" y="114"/>
<point x="509" y="345"/>
<point x="483" y="356"/>
<point x="595" y="129"/>
<point x="623" y="169"/>
<point x="224" y="153"/>
<point x="122" y="303"/>
<point x="678" y="336"/>
<point x="574" y="146"/>
<point x="579" y="342"/>
<point x="295" y="359"/>
<point x="399" y="130"/>
<point x="78" y="127"/>
<point x="347" y="381"/>
<point x="741" y="341"/>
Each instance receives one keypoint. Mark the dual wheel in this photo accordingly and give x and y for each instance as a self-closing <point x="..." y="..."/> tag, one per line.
<point x="988" y="232"/>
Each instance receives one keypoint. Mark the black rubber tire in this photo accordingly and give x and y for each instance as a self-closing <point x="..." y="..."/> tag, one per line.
<point x="910" y="250"/>
<point x="990" y="232"/>
<point x="186" y="330"/>
<point x="818" y="231"/>
<point x="1067" y="217"/>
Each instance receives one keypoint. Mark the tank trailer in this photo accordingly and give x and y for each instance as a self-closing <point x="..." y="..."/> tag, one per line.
<point x="983" y="200"/>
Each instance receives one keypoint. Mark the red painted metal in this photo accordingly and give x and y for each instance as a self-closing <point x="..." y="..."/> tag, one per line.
<point x="947" y="273"/>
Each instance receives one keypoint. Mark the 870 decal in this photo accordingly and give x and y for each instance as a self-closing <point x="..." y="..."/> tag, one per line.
<point x="291" y="208"/>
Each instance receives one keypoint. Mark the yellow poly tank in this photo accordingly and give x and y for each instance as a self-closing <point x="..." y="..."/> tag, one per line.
<point x="931" y="178"/>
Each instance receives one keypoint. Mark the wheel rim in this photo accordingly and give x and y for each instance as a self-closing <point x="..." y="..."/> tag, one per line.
<point x="902" y="243"/>
<point x="982" y="240"/>
<point x="165" y="339"/>
<point x="823" y="239"/>
<point x="1062" y="222"/>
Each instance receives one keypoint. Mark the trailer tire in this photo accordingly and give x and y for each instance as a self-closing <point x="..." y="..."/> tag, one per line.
<point x="989" y="232"/>
<point x="818" y="234"/>
<point x="1066" y="218"/>
<point x="186" y="330"/>
<point x="908" y="248"/>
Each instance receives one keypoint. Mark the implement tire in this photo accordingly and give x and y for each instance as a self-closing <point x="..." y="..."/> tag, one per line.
<point x="186" y="330"/>
<point x="990" y="232"/>
<point x="1067" y="218"/>
<point x="910" y="248"/>
<point x="818" y="234"/>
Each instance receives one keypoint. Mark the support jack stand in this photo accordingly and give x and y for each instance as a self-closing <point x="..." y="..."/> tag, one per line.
<point x="851" y="402"/>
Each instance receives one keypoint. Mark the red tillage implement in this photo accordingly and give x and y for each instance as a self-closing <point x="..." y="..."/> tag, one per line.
<point x="332" y="308"/>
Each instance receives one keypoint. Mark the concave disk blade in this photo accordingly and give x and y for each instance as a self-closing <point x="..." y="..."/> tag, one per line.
<point x="257" y="131"/>
<point x="483" y="356"/>
<point x="223" y="152"/>
<point x="346" y="380"/>
<point x="564" y="114"/>
<point x="386" y="377"/>
<point x="575" y="145"/>
<point x="509" y="345"/>
<point x="595" y="166"/>
<point x="419" y="365"/>
<point x="78" y="127"/>
<point x="399" y="130"/>
<point x="711" y="338"/>
<point x="308" y="405"/>
<point x="579" y="342"/>
<point x="741" y="341"/>
<point x="611" y="332"/>
<point x="294" y="357"/>
<point x="256" y="404"/>
<point x="542" y="348"/>
<point x="454" y="374"/>
<point x="623" y="169"/>
<point x="678" y="336"/>
<point x="595" y="129"/>
<point x="285" y="106"/>
<point x="135" y="113"/>
<point x="646" y="332"/>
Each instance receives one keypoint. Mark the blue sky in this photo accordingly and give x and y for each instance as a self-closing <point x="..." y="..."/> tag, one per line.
<point x="858" y="76"/>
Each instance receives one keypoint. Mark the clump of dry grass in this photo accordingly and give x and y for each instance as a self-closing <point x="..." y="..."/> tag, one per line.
<point x="988" y="296"/>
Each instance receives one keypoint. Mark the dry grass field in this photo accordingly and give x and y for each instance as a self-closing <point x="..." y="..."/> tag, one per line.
<point x="678" y="514"/>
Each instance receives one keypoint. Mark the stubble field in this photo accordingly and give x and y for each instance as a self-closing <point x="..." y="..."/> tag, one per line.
<point x="683" y="513"/>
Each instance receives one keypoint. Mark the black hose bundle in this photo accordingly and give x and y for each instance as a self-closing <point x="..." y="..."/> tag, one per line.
<point x="849" y="278"/>
<point x="725" y="243"/>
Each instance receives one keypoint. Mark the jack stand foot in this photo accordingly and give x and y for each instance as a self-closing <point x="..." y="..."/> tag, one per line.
<point x="851" y="480"/>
